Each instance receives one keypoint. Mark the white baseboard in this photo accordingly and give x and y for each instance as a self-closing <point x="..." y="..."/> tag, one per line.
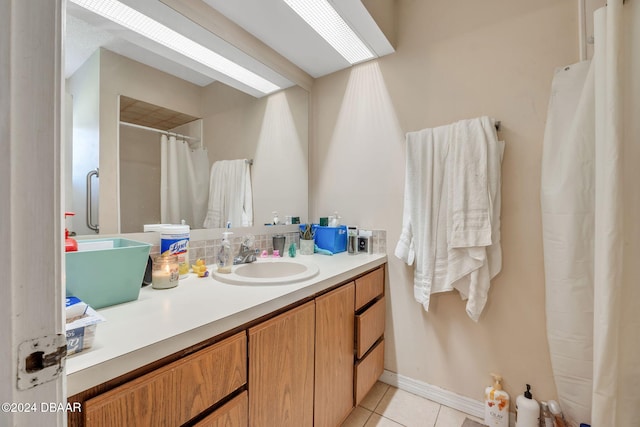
<point x="434" y="393"/>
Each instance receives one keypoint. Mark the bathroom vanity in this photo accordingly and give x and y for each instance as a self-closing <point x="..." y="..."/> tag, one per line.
<point x="211" y="354"/>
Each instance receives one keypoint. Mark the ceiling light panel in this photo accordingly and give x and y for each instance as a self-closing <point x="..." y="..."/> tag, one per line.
<point x="142" y="24"/>
<point x="324" y="19"/>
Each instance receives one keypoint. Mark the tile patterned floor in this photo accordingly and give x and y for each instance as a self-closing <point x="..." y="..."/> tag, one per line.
<point x="387" y="406"/>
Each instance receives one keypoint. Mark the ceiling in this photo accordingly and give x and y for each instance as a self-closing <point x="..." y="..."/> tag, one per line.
<point x="279" y="27"/>
<point x="145" y="114"/>
<point x="270" y="21"/>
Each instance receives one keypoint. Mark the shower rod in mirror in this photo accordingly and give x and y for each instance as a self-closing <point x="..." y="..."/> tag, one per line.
<point x="166" y="132"/>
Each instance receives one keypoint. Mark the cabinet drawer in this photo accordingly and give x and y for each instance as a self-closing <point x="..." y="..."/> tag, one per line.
<point x="175" y="393"/>
<point x="234" y="413"/>
<point x="368" y="287"/>
<point x="368" y="370"/>
<point x="204" y="378"/>
<point x="369" y="327"/>
<point x="137" y="403"/>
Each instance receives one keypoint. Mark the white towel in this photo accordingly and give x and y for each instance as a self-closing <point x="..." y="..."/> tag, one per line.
<point x="468" y="213"/>
<point x="423" y="238"/>
<point x="473" y="215"/>
<point x="230" y="195"/>
<point x="451" y="220"/>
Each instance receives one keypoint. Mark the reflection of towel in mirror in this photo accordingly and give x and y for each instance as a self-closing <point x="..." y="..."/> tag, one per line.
<point x="230" y="198"/>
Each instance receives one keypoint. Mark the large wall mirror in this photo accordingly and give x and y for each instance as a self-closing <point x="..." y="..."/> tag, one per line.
<point x="119" y="163"/>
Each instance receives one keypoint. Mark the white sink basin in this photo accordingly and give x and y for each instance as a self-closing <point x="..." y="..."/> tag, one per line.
<point x="269" y="272"/>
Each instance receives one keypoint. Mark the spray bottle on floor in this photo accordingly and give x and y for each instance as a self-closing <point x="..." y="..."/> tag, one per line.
<point x="496" y="404"/>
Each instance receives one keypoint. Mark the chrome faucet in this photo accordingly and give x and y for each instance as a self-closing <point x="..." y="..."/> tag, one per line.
<point x="246" y="254"/>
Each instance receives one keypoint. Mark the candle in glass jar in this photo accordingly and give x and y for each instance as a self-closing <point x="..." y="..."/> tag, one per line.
<point x="165" y="272"/>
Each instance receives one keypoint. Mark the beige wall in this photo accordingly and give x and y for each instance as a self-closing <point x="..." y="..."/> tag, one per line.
<point x="96" y="88"/>
<point x="139" y="165"/>
<point x="453" y="60"/>
<point x="273" y="131"/>
<point x="122" y="76"/>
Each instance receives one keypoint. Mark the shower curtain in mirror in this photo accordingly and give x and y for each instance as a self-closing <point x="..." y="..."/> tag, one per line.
<point x="230" y="195"/>
<point x="591" y="225"/>
<point x="184" y="175"/>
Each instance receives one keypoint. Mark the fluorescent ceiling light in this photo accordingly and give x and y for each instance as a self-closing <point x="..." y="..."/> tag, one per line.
<point x="142" y="24"/>
<point x="324" y="19"/>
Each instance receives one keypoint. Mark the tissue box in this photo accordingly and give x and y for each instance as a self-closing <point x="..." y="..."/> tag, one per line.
<point x="333" y="239"/>
<point x="82" y="331"/>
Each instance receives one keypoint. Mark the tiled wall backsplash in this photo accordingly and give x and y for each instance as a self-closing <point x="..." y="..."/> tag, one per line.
<point x="379" y="241"/>
<point x="207" y="249"/>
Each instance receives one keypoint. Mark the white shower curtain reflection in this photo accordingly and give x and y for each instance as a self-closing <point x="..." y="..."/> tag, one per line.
<point x="184" y="182"/>
<point x="590" y="211"/>
<point x="230" y="195"/>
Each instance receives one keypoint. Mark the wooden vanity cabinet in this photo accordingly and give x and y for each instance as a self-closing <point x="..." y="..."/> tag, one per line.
<point x="307" y="366"/>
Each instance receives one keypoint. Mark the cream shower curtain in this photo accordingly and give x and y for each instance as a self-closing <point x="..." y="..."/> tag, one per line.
<point x="230" y="195"/>
<point x="591" y="215"/>
<point x="184" y="182"/>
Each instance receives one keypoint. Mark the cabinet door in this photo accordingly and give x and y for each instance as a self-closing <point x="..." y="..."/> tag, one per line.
<point x="281" y="369"/>
<point x="334" y="356"/>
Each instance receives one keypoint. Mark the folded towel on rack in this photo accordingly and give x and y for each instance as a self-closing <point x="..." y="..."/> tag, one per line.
<point x="473" y="215"/>
<point x="468" y="214"/>
<point x="451" y="219"/>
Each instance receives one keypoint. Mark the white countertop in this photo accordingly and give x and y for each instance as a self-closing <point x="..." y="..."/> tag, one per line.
<point x="162" y="322"/>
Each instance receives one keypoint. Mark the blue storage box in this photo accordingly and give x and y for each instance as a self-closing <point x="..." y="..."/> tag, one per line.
<point x="333" y="239"/>
<point x="106" y="272"/>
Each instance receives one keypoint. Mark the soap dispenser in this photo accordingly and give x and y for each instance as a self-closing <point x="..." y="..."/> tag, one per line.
<point x="225" y="257"/>
<point x="527" y="410"/>
<point x="496" y="404"/>
<point x="70" y="245"/>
